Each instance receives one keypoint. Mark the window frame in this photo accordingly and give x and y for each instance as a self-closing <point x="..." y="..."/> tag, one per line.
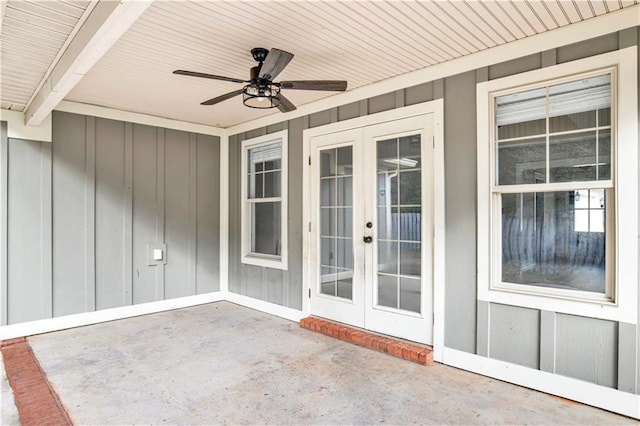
<point x="621" y="209"/>
<point x="247" y="256"/>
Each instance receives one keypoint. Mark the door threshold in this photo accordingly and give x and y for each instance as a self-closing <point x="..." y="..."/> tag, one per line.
<point x="389" y="345"/>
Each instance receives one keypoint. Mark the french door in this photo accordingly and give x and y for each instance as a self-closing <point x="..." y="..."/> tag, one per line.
<point x="371" y="227"/>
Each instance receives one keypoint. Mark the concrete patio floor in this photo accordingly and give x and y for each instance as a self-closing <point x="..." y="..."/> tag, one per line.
<point x="222" y="363"/>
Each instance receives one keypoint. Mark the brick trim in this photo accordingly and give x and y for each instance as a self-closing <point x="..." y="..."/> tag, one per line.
<point x="37" y="401"/>
<point x="397" y="348"/>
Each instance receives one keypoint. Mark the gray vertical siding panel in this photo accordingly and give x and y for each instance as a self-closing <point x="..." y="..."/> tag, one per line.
<point x="382" y="103"/>
<point x="276" y="127"/>
<point x="627" y="348"/>
<point x="28" y="290"/>
<point x="251" y="278"/>
<point x="160" y="234"/>
<point x="548" y="341"/>
<point x="69" y="227"/>
<point x="584" y="49"/>
<point x="208" y="214"/>
<point x="110" y="214"/>
<point x="587" y="349"/>
<point x="460" y="206"/>
<point x="146" y="286"/>
<point x="235" y="279"/>
<point x="482" y="321"/>
<point x="549" y="58"/>
<point x="515" y="66"/>
<point x="90" y="213"/>
<point x="128" y="214"/>
<point x="192" y="217"/>
<point x="4" y="165"/>
<point x="346" y="112"/>
<point x="293" y="293"/>
<point x="418" y="94"/>
<point x="176" y="213"/>
<point x="628" y="38"/>
<point x="320" y="118"/>
<point x="274" y="281"/>
<point x="515" y="335"/>
<point x="46" y="267"/>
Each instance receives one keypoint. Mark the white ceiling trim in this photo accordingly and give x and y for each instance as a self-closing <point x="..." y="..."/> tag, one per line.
<point x="138" y="118"/>
<point x="17" y="129"/>
<point x="605" y="24"/>
<point x="52" y="66"/>
<point x="107" y="22"/>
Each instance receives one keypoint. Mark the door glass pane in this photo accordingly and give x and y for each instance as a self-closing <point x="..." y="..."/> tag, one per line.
<point x="410" y="259"/>
<point x="336" y="222"/>
<point x="388" y="291"/>
<point x="410" y="294"/>
<point x="410" y="224"/>
<point x="328" y="280"/>
<point x="388" y="257"/>
<point x="399" y="230"/>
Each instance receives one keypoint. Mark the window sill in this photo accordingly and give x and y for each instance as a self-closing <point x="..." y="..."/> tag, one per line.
<point x="602" y="309"/>
<point x="267" y="261"/>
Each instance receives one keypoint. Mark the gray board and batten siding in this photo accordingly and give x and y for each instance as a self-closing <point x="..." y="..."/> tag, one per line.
<point x="79" y="214"/>
<point x="597" y="351"/>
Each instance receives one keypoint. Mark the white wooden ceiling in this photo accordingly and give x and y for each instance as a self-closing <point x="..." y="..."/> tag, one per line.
<point x="34" y="35"/>
<point x="359" y="41"/>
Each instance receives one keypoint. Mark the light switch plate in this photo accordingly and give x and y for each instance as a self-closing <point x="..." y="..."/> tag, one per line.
<point x="156" y="254"/>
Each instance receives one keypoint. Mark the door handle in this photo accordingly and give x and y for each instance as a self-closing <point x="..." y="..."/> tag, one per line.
<point x="367" y="239"/>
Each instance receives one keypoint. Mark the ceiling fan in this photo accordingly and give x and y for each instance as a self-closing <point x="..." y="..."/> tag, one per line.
<point x="261" y="91"/>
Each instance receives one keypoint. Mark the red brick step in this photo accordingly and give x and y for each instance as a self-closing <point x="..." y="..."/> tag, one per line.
<point x="37" y="401"/>
<point x="410" y="352"/>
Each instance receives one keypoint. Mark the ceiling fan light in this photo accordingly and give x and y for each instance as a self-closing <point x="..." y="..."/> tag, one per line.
<point x="264" y="97"/>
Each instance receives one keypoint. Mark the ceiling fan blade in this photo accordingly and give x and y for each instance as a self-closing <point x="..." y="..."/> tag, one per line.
<point x="285" y="104"/>
<point x="328" y="85"/>
<point x="211" y="76"/>
<point x="274" y="63"/>
<point x="221" y="98"/>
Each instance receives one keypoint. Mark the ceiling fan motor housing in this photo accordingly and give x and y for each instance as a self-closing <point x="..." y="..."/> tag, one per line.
<point x="259" y="53"/>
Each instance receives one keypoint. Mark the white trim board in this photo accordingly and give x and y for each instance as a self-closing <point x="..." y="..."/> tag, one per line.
<point x="16" y="127"/>
<point x="587" y="393"/>
<point x="584" y="30"/>
<point x="138" y="118"/>
<point x="267" y="307"/>
<point x="48" y="325"/>
<point x="88" y="318"/>
<point x="224" y="214"/>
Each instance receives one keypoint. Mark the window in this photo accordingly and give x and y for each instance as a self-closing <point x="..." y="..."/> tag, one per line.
<point x="552" y="153"/>
<point x="264" y="199"/>
<point x="557" y="187"/>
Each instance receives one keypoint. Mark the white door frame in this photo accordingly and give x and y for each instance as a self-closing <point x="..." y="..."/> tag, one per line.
<point x="436" y="108"/>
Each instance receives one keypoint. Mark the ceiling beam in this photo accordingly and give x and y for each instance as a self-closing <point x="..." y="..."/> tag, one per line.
<point x="108" y="21"/>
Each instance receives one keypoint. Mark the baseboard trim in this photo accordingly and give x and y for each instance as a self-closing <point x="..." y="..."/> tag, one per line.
<point x="267" y="307"/>
<point x="587" y="393"/>
<point x="31" y="328"/>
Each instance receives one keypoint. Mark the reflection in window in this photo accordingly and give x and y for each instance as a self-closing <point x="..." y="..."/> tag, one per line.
<point x="589" y="210"/>
<point x="542" y="246"/>
<point x="554" y="142"/>
<point x="399" y="222"/>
